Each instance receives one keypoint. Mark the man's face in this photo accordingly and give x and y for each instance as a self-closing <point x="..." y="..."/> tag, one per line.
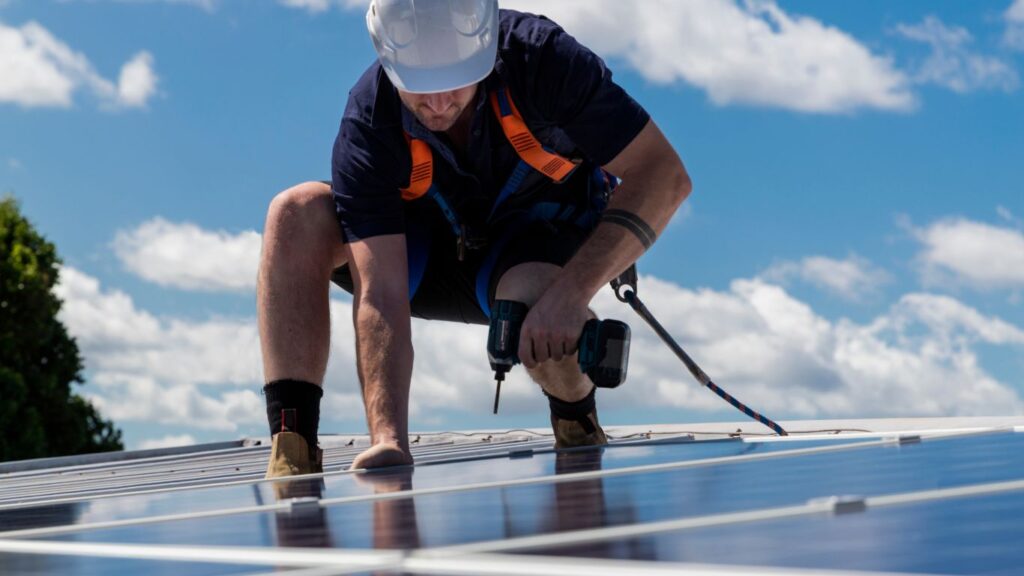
<point x="438" y="111"/>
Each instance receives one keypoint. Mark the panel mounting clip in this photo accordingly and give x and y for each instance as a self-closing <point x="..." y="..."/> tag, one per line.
<point x="304" y="505"/>
<point x="841" y="504"/>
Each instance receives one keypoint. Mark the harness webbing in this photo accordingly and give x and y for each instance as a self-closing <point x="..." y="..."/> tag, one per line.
<point x="531" y="153"/>
<point x="422" y="175"/>
<point x="526" y="145"/>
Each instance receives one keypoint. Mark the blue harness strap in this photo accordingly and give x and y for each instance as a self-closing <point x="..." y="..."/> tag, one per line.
<point x="512" y="185"/>
<point x="417" y="249"/>
<point x="600" y="187"/>
<point x="435" y="194"/>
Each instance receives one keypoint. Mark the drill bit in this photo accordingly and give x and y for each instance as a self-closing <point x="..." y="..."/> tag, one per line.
<point x="497" y="390"/>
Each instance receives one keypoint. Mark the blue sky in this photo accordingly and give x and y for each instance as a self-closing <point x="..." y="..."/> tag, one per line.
<point x="853" y="245"/>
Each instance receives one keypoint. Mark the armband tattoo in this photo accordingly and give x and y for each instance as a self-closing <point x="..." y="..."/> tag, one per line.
<point x="633" y="223"/>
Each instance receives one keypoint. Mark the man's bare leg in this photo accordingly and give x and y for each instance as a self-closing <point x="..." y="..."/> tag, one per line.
<point x="302" y="245"/>
<point x="526" y="283"/>
<point x="569" y="391"/>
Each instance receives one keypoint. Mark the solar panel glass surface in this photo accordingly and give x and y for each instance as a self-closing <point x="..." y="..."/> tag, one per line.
<point x="979" y="535"/>
<point x="481" y="468"/>
<point x="47" y="564"/>
<point x="502" y="513"/>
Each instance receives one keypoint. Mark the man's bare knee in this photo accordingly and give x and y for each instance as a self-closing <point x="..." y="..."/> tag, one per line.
<point x="526" y="282"/>
<point x="303" y="218"/>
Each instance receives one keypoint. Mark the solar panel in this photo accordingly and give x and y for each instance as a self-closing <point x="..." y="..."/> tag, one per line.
<point x="941" y="503"/>
<point x="979" y="535"/>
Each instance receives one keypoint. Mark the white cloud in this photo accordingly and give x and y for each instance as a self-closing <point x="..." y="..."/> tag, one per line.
<point x="775" y="353"/>
<point x="169" y="441"/>
<point x="973" y="253"/>
<point x="14" y="163"/>
<point x="1014" y="35"/>
<point x="137" y="82"/>
<point x="1015" y="13"/>
<point x="316" y="6"/>
<point x="739" y="53"/>
<point x="952" y="63"/>
<point x="919" y="358"/>
<point x="162" y="370"/>
<point x="1007" y="215"/>
<point x="852" y="279"/>
<point x="39" y="70"/>
<point x="312" y="6"/>
<point x="207" y="5"/>
<point x="188" y="257"/>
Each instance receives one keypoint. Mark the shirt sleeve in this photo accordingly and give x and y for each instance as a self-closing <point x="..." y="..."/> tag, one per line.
<point x="573" y="88"/>
<point x="365" y="181"/>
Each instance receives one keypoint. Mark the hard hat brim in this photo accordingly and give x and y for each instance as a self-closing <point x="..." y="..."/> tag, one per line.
<point x="418" y="80"/>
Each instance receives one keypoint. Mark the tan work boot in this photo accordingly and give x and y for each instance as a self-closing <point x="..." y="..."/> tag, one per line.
<point x="570" y="433"/>
<point x="290" y="456"/>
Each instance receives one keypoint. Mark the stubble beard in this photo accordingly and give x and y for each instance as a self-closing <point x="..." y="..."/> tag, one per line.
<point x="438" y="122"/>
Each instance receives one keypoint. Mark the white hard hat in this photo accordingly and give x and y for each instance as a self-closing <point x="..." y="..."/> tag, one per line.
<point x="434" y="45"/>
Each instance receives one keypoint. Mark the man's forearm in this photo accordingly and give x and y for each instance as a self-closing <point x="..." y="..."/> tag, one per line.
<point x="611" y="248"/>
<point x="384" y="360"/>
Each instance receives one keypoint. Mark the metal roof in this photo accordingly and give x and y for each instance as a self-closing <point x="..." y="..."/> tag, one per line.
<point x="865" y="496"/>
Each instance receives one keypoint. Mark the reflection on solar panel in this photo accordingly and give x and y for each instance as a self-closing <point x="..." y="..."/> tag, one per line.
<point x="933" y="501"/>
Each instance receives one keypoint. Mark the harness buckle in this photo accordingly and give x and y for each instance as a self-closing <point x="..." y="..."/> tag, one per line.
<point x="466" y="241"/>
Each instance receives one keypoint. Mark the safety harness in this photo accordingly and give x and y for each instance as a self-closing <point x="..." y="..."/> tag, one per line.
<point x="532" y="156"/>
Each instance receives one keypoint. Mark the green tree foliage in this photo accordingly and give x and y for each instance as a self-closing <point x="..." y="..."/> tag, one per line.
<point x="40" y="415"/>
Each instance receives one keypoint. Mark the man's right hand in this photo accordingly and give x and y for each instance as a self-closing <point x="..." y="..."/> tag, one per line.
<point x="383" y="345"/>
<point x="383" y="454"/>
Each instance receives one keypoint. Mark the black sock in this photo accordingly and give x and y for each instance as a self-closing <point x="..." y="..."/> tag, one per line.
<point x="579" y="410"/>
<point x="294" y="406"/>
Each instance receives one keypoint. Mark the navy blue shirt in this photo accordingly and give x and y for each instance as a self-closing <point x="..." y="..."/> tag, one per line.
<point x="563" y="91"/>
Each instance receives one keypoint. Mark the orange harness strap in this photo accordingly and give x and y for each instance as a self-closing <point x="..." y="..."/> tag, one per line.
<point x="518" y="134"/>
<point x="527" y="146"/>
<point x="422" y="169"/>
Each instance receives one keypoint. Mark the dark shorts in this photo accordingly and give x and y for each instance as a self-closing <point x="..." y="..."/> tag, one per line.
<point x="443" y="288"/>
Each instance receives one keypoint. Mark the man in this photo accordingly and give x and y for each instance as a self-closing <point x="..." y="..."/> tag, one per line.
<point x="473" y="163"/>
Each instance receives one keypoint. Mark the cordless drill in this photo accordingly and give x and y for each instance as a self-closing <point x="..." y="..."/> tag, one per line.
<point x="603" y="348"/>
